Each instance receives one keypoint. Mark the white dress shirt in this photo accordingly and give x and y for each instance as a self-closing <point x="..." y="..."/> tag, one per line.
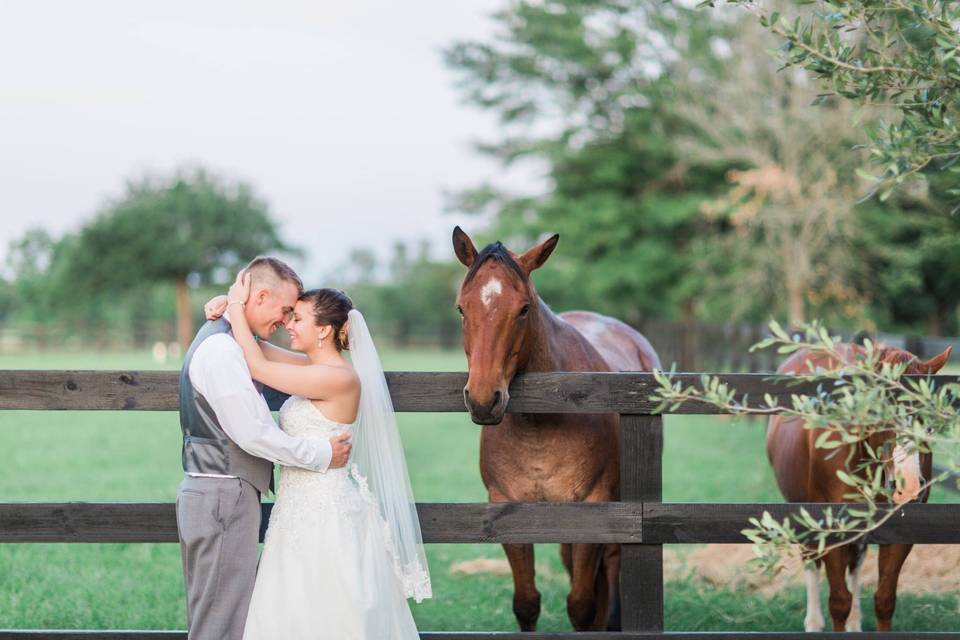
<point x="219" y="372"/>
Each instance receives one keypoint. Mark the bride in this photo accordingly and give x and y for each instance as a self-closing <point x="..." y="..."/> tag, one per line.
<point x="343" y="550"/>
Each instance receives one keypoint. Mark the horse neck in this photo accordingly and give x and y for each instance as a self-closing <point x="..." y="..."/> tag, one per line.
<point x="542" y="346"/>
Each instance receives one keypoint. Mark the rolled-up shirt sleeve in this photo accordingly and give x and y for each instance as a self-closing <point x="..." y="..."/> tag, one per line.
<point x="219" y="373"/>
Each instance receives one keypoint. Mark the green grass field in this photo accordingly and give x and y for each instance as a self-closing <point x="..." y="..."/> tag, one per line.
<point x="110" y="456"/>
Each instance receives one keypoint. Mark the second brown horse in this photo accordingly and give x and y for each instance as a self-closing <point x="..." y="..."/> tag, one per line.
<point x="508" y="329"/>
<point x="808" y="474"/>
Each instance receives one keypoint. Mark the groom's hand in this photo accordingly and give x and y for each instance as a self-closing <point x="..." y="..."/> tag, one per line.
<point x="341" y="450"/>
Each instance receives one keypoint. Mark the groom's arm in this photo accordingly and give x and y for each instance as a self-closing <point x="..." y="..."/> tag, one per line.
<point x="220" y="374"/>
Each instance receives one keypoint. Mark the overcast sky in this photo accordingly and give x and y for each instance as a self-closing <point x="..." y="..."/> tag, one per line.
<point x="341" y="114"/>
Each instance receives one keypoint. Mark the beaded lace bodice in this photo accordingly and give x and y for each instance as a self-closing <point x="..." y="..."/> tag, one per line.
<point x="300" y="417"/>
<point x="303" y="496"/>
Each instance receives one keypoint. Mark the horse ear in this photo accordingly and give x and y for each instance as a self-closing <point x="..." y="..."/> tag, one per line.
<point x="936" y="363"/>
<point x="463" y="247"/>
<point x="535" y="257"/>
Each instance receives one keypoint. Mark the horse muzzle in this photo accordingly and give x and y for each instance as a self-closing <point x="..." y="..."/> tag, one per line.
<point x="907" y="477"/>
<point x="489" y="411"/>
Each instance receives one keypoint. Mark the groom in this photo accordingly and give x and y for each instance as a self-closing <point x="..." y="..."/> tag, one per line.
<point x="230" y="443"/>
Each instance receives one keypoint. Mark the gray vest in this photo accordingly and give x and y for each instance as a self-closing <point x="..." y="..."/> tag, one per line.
<point x="206" y="448"/>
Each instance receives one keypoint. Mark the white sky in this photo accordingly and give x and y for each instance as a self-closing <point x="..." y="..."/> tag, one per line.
<point x="341" y="114"/>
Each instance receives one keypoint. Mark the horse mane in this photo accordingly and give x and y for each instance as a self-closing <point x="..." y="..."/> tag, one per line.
<point x="895" y="355"/>
<point x="886" y="353"/>
<point x="498" y="252"/>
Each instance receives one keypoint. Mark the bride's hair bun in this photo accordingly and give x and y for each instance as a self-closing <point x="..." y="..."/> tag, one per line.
<point x="330" y="307"/>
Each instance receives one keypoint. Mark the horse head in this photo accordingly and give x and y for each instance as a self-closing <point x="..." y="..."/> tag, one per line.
<point x="500" y="309"/>
<point x="906" y="466"/>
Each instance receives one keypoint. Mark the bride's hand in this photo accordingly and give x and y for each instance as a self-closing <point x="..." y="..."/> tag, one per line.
<point x="215" y="307"/>
<point x="239" y="290"/>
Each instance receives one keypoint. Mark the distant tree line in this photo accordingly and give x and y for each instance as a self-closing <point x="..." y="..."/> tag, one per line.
<point x="691" y="178"/>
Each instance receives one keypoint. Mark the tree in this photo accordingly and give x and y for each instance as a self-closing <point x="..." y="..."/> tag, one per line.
<point x="911" y="255"/>
<point x="584" y="89"/>
<point x="165" y="229"/>
<point x="903" y="53"/>
<point x="415" y="298"/>
<point x="8" y="299"/>
<point x="785" y="226"/>
<point x="31" y="262"/>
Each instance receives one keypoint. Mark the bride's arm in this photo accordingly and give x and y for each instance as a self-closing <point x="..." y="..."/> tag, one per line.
<point x="314" y="381"/>
<point x="215" y="307"/>
<point x="274" y="353"/>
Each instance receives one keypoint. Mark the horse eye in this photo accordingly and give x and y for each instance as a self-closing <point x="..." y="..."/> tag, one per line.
<point x="524" y="311"/>
<point x="460" y="310"/>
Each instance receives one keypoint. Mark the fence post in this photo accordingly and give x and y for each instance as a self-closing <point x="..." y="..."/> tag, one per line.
<point x="641" y="565"/>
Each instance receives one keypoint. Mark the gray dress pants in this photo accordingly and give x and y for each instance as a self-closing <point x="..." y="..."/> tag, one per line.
<point x="218" y="520"/>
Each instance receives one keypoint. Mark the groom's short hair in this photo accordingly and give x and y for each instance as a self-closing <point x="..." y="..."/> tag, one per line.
<point x="270" y="272"/>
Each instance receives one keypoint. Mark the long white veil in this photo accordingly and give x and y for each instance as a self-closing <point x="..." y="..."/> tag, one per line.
<point x="379" y="466"/>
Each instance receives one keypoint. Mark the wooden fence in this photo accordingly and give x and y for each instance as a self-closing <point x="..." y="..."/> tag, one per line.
<point x="641" y="522"/>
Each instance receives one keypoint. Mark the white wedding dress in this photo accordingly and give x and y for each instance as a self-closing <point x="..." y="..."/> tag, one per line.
<point x="328" y="564"/>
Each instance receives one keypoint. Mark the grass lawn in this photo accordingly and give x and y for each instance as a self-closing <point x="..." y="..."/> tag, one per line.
<point x="135" y="456"/>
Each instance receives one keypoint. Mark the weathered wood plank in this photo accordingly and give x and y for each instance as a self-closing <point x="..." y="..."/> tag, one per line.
<point x="105" y="390"/>
<point x="665" y="523"/>
<point x="641" y="570"/>
<point x="157" y="390"/>
<point x="591" y="392"/>
<point x="53" y="634"/>
<point x="620" y="522"/>
<point x="440" y="522"/>
<point x="722" y="523"/>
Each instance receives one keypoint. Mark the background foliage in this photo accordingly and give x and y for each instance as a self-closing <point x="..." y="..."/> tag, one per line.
<point x="689" y="176"/>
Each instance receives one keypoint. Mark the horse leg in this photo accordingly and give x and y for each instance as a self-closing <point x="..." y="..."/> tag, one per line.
<point x="611" y="565"/>
<point x="566" y="555"/>
<point x="857" y="553"/>
<point x="889" y="564"/>
<point x="837" y="562"/>
<point x="601" y="593"/>
<point x="582" y="602"/>
<point x="814" y="619"/>
<point x="526" y="598"/>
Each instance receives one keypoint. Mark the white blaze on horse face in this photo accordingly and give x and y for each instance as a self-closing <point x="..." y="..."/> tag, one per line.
<point x="906" y="469"/>
<point x="814" y="619"/>
<point x="492" y="288"/>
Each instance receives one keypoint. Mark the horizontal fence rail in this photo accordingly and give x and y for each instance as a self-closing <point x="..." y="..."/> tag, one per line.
<point x="605" y="392"/>
<point x="646" y="523"/>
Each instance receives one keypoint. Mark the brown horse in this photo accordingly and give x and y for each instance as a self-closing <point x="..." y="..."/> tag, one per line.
<point x="508" y="329"/>
<point x="808" y="474"/>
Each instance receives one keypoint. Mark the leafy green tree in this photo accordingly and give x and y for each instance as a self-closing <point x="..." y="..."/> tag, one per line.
<point x="409" y="298"/>
<point x="8" y="300"/>
<point x="35" y="264"/>
<point x="584" y="89"/>
<point x="781" y="244"/>
<point x="901" y="53"/>
<point x="432" y="287"/>
<point x="912" y="255"/>
<point x="165" y="229"/>
<point x="29" y="260"/>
